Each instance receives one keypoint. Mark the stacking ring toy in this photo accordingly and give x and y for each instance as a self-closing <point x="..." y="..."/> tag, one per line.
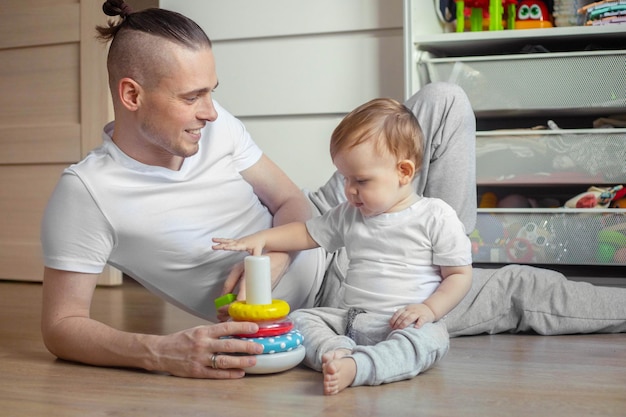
<point x="241" y="311"/>
<point x="276" y="344"/>
<point x="282" y="344"/>
<point x="280" y="353"/>
<point x="277" y="362"/>
<point x="224" y="300"/>
<point x="271" y="328"/>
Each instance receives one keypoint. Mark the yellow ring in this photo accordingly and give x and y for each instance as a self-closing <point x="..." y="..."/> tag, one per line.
<point x="240" y="311"/>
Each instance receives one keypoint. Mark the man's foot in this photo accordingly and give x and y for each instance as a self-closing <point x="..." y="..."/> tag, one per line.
<point x="339" y="371"/>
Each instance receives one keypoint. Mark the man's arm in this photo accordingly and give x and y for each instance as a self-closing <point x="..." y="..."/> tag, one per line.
<point x="277" y="192"/>
<point x="69" y="333"/>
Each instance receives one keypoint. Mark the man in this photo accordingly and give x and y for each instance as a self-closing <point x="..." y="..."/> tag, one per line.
<point x="176" y="169"/>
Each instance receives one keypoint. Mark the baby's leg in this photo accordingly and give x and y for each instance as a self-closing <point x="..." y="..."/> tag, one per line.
<point x="323" y="331"/>
<point x="403" y="355"/>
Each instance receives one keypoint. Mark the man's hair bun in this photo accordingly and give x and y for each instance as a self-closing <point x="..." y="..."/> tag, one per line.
<point x="116" y="8"/>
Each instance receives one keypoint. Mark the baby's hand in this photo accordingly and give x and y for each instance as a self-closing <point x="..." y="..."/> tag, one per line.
<point x="228" y="244"/>
<point x="246" y="244"/>
<point x="420" y="314"/>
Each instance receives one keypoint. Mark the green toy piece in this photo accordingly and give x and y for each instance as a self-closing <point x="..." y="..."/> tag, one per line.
<point x="224" y="300"/>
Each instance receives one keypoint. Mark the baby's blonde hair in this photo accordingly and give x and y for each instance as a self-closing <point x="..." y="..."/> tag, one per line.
<point x="392" y="126"/>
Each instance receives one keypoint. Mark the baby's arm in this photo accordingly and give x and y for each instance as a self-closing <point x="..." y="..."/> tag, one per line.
<point x="285" y="238"/>
<point x="456" y="282"/>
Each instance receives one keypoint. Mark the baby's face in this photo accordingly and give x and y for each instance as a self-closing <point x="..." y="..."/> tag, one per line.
<point x="372" y="181"/>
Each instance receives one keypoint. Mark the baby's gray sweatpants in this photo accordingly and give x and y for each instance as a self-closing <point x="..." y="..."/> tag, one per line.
<point x="381" y="354"/>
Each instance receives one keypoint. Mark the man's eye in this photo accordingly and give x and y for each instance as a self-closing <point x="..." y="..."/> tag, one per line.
<point x="191" y="99"/>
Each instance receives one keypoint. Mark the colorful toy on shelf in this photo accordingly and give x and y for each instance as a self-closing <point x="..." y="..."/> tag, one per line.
<point x="488" y="200"/>
<point x="533" y="14"/>
<point x="282" y="344"/>
<point x="607" y="12"/>
<point x="531" y="244"/>
<point x="485" y="14"/>
<point x="612" y="245"/>
<point x="619" y="203"/>
<point x="596" y="197"/>
<point x="487" y="238"/>
<point x="476" y="240"/>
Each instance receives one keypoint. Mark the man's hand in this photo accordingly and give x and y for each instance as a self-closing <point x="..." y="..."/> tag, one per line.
<point x="71" y="334"/>
<point x="201" y="352"/>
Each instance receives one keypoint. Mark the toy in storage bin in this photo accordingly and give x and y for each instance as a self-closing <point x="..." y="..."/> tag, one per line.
<point x="562" y="156"/>
<point x="550" y="236"/>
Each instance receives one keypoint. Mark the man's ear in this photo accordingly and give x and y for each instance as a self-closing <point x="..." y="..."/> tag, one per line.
<point x="406" y="171"/>
<point x="129" y="91"/>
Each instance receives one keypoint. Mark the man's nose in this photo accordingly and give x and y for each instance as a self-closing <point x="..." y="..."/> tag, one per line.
<point x="207" y="111"/>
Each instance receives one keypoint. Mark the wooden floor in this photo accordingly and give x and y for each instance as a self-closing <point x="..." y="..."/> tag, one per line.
<point x="503" y="375"/>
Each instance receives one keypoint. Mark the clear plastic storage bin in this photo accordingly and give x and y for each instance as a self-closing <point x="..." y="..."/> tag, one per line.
<point x="589" y="156"/>
<point x="550" y="236"/>
<point x="559" y="81"/>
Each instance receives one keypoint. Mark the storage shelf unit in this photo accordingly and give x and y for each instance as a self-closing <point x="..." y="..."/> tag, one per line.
<point x="423" y="31"/>
<point x="590" y="82"/>
<point x="511" y="41"/>
<point x="580" y="78"/>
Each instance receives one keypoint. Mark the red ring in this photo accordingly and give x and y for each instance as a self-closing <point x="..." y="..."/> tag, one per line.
<point x="269" y="329"/>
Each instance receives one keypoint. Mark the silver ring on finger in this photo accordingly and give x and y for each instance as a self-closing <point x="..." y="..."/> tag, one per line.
<point x="214" y="361"/>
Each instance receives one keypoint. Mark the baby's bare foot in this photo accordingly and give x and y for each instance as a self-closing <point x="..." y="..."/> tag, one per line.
<point x="335" y="354"/>
<point x="339" y="371"/>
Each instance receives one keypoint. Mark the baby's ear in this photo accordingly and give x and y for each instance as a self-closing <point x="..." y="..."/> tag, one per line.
<point x="406" y="171"/>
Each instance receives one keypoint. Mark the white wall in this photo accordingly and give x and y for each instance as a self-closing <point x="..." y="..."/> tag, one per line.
<point x="291" y="69"/>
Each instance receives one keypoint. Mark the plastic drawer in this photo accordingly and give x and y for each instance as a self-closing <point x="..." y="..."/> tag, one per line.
<point x="562" y="81"/>
<point x="589" y="156"/>
<point x="551" y="236"/>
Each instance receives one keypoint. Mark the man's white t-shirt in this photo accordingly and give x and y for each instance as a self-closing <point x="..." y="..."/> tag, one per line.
<point x="157" y="225"/>
<point x="394" y="258"/>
